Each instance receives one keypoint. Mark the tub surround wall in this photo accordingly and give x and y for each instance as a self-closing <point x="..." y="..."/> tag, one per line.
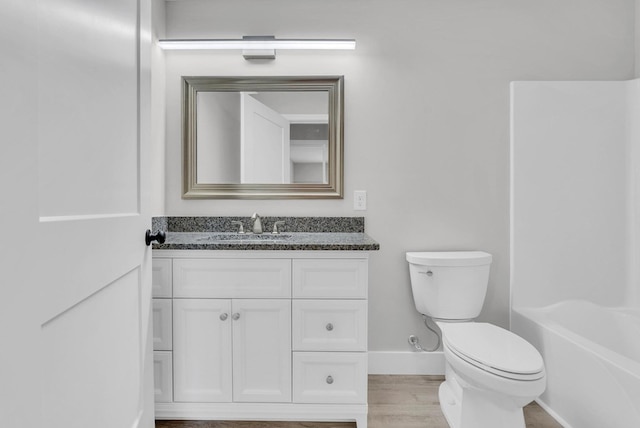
<point x="572" y="216"/>
<point x="574" y="261"/>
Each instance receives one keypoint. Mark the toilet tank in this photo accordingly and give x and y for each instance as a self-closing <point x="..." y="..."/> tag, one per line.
<point x="449" y="286"/>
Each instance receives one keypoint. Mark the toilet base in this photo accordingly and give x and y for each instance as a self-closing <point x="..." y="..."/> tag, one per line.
<point x="473" y="408"/>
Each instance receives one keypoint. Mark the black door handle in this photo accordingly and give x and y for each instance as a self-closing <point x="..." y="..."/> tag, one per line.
<point x="160" y="236"/>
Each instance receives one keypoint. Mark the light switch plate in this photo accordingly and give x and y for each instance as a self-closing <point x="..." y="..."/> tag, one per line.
<point x="360" y="200"/>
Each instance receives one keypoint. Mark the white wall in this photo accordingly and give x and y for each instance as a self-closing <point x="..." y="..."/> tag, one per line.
<point x="218" y="125"/>
<point x="158" y="108"/>
<point x="637" y="36"/>
<point x="20" y="307"/>
<point x="632" y="297"/>
<point x="426" y="115"/>
<point x="572" y="159"/>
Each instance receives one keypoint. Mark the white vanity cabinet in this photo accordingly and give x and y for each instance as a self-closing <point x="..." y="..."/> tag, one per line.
<point x="262" y="335"/>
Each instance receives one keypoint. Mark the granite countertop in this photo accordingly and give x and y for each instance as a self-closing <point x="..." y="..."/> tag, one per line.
<point x="297" y="233"/>
<point x="285" y="241"/>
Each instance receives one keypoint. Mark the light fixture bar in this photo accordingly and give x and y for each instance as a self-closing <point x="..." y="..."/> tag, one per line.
<point x="257" y="44"/>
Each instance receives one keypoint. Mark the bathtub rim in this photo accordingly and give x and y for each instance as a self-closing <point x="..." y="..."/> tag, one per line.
<point x="536" y="315"/>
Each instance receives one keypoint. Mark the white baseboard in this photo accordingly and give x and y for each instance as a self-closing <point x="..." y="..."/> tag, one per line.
<point x="553" y="414"/>
<point x="264" y="412"/>
<point x="406" y="363"/>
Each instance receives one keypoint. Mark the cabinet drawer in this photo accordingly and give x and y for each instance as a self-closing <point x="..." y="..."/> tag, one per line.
<point x="162" y="330"/>
<point x="161" y="277"/>
<point x="330" y="377"/>
<point x="330" y="278"/>
<point x="232" y="278"/>
<point x="163" y="376"/>
<point x="330" y="325"/>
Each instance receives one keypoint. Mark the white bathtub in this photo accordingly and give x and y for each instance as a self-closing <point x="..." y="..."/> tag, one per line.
<point x="592" y="358"/>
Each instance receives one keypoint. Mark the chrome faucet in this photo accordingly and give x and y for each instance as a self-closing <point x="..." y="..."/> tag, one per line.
<point x="257" y="223"/>
<point x="239" y="223"/>
<point x="275" y="227"/>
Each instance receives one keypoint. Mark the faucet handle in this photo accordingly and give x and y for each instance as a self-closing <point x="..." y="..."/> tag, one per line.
<point x="275" y="227"/>
<point x="241" y="230"/>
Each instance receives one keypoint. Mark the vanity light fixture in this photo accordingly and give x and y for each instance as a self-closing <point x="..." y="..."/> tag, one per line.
<point x="257" y="47"/>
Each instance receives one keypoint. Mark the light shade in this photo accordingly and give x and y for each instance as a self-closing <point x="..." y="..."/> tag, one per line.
<point x="257" y="43"/>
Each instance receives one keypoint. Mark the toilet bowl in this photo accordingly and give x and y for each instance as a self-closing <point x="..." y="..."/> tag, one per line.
<point x="490" y="373"/>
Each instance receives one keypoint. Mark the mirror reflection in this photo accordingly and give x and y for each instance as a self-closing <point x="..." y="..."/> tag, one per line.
<point x="263" y="137"/>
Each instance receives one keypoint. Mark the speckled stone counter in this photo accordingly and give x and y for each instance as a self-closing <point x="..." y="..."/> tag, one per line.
<point x="297" y="233"/>
<point x="292" y="241"/>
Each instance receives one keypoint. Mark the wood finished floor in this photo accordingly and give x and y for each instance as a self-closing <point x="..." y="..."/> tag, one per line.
<point x="394" y="402"/>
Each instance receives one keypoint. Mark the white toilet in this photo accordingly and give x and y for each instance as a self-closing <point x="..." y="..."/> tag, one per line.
<point x="491" y="373"/>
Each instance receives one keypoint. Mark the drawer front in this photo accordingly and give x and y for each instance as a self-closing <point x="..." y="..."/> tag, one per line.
<point x="162" y="325"/>
<point x="330" y="377"/>
<point x="161" y="277"/>
<point x="330" y="278"/>
<point x="330" y="325"/>
<point x="163" y="376"/>
<point x="232" y="278"/>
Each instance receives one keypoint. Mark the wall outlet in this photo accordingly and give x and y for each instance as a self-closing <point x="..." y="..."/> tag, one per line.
<point x="360" y="200"/>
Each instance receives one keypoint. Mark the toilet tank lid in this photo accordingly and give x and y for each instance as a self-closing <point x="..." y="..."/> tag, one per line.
<point x="449" y="258"/>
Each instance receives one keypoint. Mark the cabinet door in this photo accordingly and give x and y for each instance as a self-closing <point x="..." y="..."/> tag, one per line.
<point x="262" y="350"/>
<point x="202" y="350"/>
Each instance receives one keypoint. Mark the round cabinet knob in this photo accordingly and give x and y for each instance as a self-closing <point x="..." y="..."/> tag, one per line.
<point x="223" y="317"/>
<point x="235" y="316"/>
<point x="429" y="273"/>
<point x="329" y="380"/>
<point x="329" y="327"/>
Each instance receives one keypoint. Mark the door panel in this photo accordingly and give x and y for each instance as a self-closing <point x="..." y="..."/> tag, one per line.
<point x="94" y="268"/>
<point x="78" y="392"/>
<point x="88" y="104"/>
<point x="74" y="110"/>
<point x="265" y="144"/>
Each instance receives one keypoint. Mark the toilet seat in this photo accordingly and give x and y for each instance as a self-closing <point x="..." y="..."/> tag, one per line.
<point x="494" y="350"/>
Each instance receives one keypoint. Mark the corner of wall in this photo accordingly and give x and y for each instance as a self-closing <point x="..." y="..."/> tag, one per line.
<point x="636" y="39"/>
<point x="158" y="94"/>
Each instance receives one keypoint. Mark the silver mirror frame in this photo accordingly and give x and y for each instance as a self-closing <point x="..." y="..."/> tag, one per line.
<point x="334" y="189"/>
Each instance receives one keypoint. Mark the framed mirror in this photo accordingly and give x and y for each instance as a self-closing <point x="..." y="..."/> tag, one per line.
<point x="263" y="137"/>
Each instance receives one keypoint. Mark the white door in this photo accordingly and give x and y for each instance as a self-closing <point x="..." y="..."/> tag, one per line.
<point x="202" y="350"/>
<point x="262" y="350"/>
<point x="75" y="309"/>
<point x="264" y="141"/>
